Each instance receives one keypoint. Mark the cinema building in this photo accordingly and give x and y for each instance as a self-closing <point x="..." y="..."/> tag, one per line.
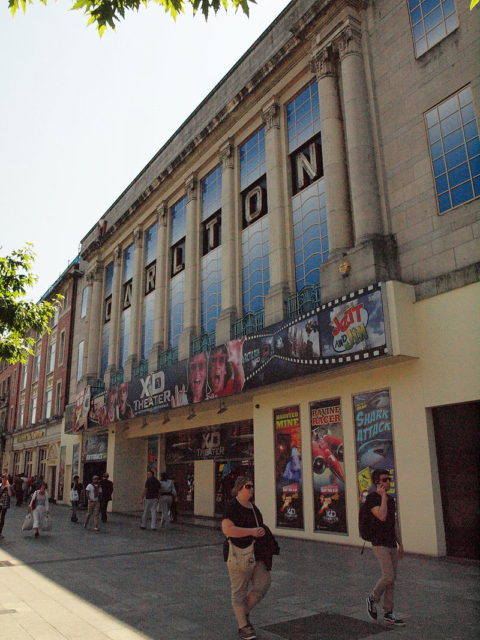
<point x="290" y="289"/>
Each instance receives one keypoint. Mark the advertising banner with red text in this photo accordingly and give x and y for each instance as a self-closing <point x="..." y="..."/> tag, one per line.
<point x="288" y="467"/>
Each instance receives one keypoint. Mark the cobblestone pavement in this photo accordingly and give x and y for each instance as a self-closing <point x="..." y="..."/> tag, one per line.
<point x="123" y="583"/>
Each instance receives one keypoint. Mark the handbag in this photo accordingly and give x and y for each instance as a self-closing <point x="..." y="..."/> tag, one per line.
<point x="74" y="495"/>
<point x="28" y="522"/>
<point x="46" y="522"/>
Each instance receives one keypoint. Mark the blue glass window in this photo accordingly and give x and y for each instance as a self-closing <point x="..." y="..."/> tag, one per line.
<point x="148" y="324"/>
<point x="178" y="216"/>
<point x="105" y="347"/>
<point x="455" y="150"/>
<point x="252" y="159"/>
<point x="310" y="233"/>
<point x="127" y="264"/>
<point x="255" y="266"/>
<point x="431" y="21"/>
<point x="211" y="297"/>
<point x="108" y="280"/>
<point x="175" y="320"/>
<point x="211" y="188"/>
<point x="124" y="337"/>
<point x="150" y="244"/>
<point x="303" y="117"/>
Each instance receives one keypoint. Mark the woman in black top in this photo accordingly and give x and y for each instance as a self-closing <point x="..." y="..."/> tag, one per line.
<point x="242" y="524"/>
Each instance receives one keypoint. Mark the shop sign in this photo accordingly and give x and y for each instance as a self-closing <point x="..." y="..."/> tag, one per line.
<point x="288" y="467"/>
<point x="328" y="470"/>
<point x="221" y="442"/>
<point x="31" y="435"/>
<point x="96" y="446"/>
<point x="344" y="331"/>
<point x="374" y="439"/>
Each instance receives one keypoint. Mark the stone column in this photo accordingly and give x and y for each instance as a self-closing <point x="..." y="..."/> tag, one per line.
<point x="115" y="311"/>
<point x="339" y="221"/>
<point x="192" y="239"/>
<point x="361" y="158"/>
<point x="161" y="284"/>
<point x="229" y="246"/>
<point x="275" y="158"/>
<point x="136" y="306"/>
<point x="95" y="278"/>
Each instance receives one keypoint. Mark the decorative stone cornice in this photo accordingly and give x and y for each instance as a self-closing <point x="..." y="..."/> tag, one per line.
<point x="95" y="274"/>
<point x="271" y="116"/>
<point x="349" y="41"/>
<point x="324" y="62"/>
<point x="191" y="187"/>
<point x="226" y="154"/>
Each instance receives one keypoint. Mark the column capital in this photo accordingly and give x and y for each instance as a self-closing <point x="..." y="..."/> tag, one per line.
<point x="324" y="62"/>
<point x="349" y="41"/>
<point x="138" y="236"/>
<point x="226" y="154"/>
<point x="96" y="272"/>
<point x="271" y="116"/>
<point x="162" y="211"/>
<point x="191" y="187"/>
<point x="117" y="254"/>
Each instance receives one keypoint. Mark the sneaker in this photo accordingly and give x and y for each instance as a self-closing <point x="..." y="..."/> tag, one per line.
<point x="371" y="608"/>
<point x="247" y="633"/>
<point x="142" y="527"/>
<point x="391" y="618"/>
<point x="96" y="529"/>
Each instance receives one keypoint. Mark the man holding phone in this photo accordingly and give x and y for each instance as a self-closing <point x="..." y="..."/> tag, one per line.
<point x="386" y="544"/>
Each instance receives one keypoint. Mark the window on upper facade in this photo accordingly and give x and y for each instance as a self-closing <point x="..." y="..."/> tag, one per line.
<point x="51" y="357"/>
<point x="61" y="348"/>
<point x="150" y="283"/>
<point x="48" y="403"/>
<point x="33" y="410"/>
<point x="455" y="150"/>
<point x="255" y="223"/>
<point x="105" y="348"/>
<point x="211" y="262"/>
<point x="84" y="308"/>
<point x="81" y="348"/>
<point x="309" y="211"/>
<point x="178" y="215"/>
<point x="431" y="21"/>
<point x="21" y="415"/>
<point x="36" y="366"/>
<point x="126" y="306"/>
<point x="58" y="398"/>
<point x="23" y="377"/>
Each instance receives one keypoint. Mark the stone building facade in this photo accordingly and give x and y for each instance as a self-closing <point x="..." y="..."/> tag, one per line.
<point x="313" y="229"/>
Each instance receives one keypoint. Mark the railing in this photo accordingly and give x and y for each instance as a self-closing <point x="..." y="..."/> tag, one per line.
<point x="169" y="356"/>
<point x="141" y="369"/>
<point x="204" y="342"/>
<point x="250" y="323"/>
<point x="116" y="377"/>
<point x="304" y="300"/>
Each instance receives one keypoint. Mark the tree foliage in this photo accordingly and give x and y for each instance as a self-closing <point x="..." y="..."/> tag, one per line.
<point x="18" y="317"/>
<point x="106" y="13"/>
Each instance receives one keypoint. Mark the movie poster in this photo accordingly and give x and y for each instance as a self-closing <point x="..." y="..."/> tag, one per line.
<point x="288" y="467"/>
<point x="373" y="434"/>
<point x="152" y="454"/>
<point x="327" y="466"/>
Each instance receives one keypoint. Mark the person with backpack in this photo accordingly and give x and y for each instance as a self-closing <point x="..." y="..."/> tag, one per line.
<point x="378" y="521"/>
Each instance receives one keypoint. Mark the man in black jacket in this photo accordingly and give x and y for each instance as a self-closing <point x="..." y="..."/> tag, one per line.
<point x="105" y="495"/>
<point x="386" y="544"/>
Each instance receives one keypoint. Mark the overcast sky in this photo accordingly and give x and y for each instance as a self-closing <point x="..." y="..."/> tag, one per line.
<point x="81" y="116"/>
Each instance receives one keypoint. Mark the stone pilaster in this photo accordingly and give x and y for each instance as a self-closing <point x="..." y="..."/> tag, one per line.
<point x="161" y="283"/>
<point x="229" y="246"/>
<point x="339" y="221"/>
<point x="192" y="239"/>
<point x="365" y="200"/>
<point x="275" y="300"/>
<point x="115" y="310"/>
<point x="95" y="279"/>
<point x="136" y="306"/>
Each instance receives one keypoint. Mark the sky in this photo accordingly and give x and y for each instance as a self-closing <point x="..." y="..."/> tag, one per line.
<point x="81" y="116"/>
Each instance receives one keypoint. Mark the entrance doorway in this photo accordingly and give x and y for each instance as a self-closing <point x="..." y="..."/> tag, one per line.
<point x="225" y="475"/>
<point x="457" y="438"/>
<point x="183" y="477"/>
<point x="91" y="469"/>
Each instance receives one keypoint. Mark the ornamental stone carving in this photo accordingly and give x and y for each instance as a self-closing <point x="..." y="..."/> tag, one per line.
<point x="349" y="41"/>
<point x="324" y="62"/>
<point x="271" y="116"/>
<point x="191" y="187"/>
<point x="226" y="155"/>
<point x="162" y="210"/>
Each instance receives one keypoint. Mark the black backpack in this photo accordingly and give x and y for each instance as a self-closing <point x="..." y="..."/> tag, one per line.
<point x="365" y="523"/>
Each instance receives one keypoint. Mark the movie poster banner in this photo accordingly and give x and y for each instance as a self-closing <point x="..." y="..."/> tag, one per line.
<point x="327" y="466"/>
<point x="152" y="454"/>
<point x="374" y="439"/>
<point x="288" y="467"/>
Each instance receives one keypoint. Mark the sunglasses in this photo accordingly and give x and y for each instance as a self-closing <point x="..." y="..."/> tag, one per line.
<point x="248" y="486"/>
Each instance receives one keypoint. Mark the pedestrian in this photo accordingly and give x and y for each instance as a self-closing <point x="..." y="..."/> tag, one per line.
<point x="39" y="507"/>
<point x="248" y="561"/>
<point x="18" y="486"/>
<point x="93" y="494"/>
<point x="168" y="494"/>
<point x="149" y="500"/>
<point x="76" y="489"/>
<point x="105" y="495"/>
<point x="387" y="546"/>
<point x="5" y="495"/>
